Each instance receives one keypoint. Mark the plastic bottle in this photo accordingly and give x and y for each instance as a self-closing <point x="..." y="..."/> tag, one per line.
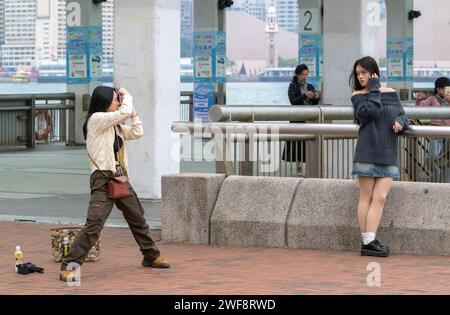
<point x="65" y="246"/>
<point x="18" y="255"/>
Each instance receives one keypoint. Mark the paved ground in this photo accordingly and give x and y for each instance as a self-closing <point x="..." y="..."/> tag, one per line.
<point x="199" y="270"/>
<point x="49" y="185"/>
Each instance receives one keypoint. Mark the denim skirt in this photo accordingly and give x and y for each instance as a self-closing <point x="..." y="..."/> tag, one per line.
<point x="375" y="170"/>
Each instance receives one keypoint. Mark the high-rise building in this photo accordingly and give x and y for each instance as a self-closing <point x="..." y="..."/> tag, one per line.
<point x="108" y="31"/>
<point x="256" y="8"/>
<point x="61" y="29"/>
<point x="287" y="12"/>
<point x="186" y="19"/>
<point x="33" y="31"/>
<point x="47" y="35"/>
<point x="19" y="36"/>
<point x="2" y="23"/>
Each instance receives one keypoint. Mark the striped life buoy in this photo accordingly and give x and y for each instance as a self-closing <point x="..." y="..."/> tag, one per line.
<point x="42" y="132"/>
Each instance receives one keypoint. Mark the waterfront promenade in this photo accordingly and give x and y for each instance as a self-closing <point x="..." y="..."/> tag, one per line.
<point x="50" y="185"/>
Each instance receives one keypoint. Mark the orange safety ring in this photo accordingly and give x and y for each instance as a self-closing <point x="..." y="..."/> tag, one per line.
<point x="43" y="133"/>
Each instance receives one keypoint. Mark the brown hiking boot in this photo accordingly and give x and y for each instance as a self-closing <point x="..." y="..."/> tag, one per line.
<point x="158" y="262"/>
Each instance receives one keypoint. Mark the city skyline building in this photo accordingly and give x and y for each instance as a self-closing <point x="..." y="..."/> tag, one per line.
<point x="256" y="8"/>
<point x="19" y="46"/>
<point x="186" y="19"/>
<point x="287" y="14"/>
<point x="34" y="32"/>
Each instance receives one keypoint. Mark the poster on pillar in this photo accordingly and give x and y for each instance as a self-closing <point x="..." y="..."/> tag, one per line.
<point x="203" y="100"/>
<point x="203" y="44"/>
<point x="84" y="54"/>
<point x="95" y="54"/>
<point x="310" y="53"/>
<point x="400" y="59"/>
<point x="210" y="56"/>
<point x="220" y="56"/>
<point x="409" y="59"/>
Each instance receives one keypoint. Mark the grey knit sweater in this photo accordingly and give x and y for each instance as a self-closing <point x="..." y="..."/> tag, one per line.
<point x="377" y="112"/>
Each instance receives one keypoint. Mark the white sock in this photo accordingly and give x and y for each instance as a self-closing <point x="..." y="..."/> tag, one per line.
<point x="363" y="235"/>
<point x="369" y="237"/>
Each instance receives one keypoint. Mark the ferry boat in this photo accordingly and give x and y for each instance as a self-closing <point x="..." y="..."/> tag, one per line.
<point x="52" y="72"/>
<point x="55" y="72"/>
<point x="21" y="76"/>
<point x="422" y="74"/>
<point x="276" y="74"/>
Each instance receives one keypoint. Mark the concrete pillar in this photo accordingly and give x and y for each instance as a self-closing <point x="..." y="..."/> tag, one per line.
<point x="81" y="13"/>
<point x="209" y="46"/>
<point x="400" y="46"/>
<point x="147" y="63"/>
<point x="349" y="33"/>
<point x="209" y="20"/>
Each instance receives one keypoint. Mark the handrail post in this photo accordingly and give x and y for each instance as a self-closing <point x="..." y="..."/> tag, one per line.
<point x="191" y="107"/>
<point x="314" y="158"/>
<point x="246" y="166"/>
<point x="71" y="124"/>
<point x="31" y="139"/>
<point x="223" y="166"/>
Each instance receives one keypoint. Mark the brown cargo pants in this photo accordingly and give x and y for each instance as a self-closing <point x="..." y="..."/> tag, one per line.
<point x="100" y="207"/>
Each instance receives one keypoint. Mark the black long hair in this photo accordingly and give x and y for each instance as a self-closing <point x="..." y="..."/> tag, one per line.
<point x="101" y="99"/>
<point x="367" y="63"/>
<point x="299" y="69"/>
<point x="370" y="65"/>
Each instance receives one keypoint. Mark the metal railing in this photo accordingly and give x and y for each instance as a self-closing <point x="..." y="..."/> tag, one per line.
<point x="27" y="119"/>
<point x="318" y="150"/>
<point x="334" y="152"/>
<point x="317" y="113"/>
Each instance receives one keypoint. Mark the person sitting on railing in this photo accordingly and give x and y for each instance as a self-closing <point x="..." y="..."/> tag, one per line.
<point x="300" y="92"/>
<point x="380" y="115"/>
<point x="440" y="97"/>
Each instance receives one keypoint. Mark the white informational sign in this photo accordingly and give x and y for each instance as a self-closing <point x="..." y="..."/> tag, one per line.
<point x="309" y="21"/>
<point x="96" y="66"/>
<point x="395" y="67"/>
<point x="77" y="66"/>
<point x="203" y="66"/>
<point x="310" y="62"/>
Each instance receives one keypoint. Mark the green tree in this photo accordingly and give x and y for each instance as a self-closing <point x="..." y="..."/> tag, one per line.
<point x="287" y="62"/>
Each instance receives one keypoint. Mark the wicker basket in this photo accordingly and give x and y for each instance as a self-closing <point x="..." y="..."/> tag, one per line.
<point x="57" y="235"/>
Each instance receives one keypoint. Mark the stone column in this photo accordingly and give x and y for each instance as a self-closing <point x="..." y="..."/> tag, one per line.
<point x="147" y="63"/>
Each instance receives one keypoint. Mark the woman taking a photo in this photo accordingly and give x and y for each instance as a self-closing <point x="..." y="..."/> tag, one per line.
<point x="106" y="134"/>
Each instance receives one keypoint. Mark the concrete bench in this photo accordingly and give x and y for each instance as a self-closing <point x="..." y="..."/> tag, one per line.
<point x="300" y="213"/>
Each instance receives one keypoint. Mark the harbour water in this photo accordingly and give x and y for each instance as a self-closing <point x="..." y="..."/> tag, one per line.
<point x="238" y="93"/>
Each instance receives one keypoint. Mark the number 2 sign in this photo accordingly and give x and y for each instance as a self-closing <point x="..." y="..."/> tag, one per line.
<point x="309" y="21"/>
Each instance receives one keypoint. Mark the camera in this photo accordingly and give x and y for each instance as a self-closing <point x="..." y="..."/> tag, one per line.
<point x="118" y="96"/>
<point x="225" y="4"/>
<point x="413" y="14"/>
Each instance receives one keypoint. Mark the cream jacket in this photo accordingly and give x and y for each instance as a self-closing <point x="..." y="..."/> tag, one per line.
<point x="100" y="134"/>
